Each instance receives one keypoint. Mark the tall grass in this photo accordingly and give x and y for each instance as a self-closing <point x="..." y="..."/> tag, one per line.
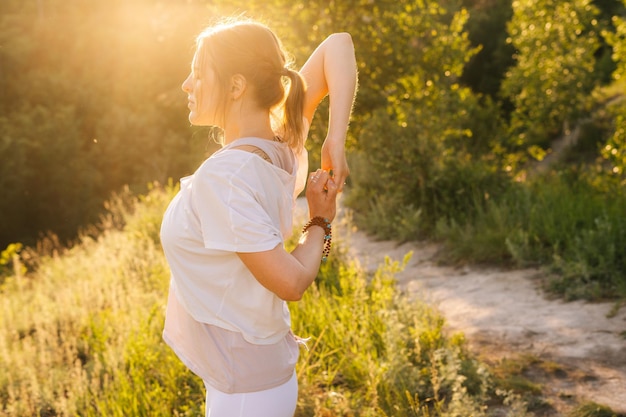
<point x="570" y="226"/>
<point x="80" y="335"/>
<point x="376" y="354"/>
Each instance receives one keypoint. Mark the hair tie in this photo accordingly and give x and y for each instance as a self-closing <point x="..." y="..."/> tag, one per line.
<point x="285" y="72"/>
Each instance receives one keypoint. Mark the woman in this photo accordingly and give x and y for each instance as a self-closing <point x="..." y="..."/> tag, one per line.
<point x="227" y="317"/>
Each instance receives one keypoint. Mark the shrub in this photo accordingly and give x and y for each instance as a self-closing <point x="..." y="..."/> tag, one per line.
<point x="565" y="224"/>
<point x="419" y="162"/>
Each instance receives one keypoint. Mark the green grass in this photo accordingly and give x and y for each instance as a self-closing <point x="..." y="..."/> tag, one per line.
<point x="592" y="409"/>
<point x="80" y="335"/>
<point x="572" y="227"/>
<point x="377" y="353"/>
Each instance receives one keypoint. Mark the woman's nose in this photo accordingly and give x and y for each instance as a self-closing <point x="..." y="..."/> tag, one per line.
<point x="187" y="85"/>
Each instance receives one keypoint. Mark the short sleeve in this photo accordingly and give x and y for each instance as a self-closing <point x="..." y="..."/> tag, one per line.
<point x="228" y="205"/>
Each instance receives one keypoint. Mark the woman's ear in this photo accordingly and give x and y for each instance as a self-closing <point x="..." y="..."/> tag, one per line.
<point x="237" y="86"/>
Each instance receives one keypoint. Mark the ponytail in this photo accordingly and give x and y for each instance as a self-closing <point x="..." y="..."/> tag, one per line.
<point x="293" y="114"/>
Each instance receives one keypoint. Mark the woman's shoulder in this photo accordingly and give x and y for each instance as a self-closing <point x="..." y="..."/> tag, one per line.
<point x="223" y="162"/>
<point x="233" y="166"/>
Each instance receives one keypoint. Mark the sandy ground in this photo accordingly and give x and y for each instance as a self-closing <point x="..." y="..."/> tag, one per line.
<point x="504" y="313"/>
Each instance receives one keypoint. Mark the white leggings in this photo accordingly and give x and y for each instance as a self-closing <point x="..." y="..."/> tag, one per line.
<point x="274" y="402"/>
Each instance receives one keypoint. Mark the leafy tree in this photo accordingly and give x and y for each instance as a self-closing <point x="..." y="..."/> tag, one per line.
<point x="553" y="75"/>
<point x="615" y="148"/>
<point x="617" y="40"/>
<point x="604" y="62"/>
<point x="43" y="178"/>
<point x="90" y="95"/>
<point x="90" y="100"/>
<point x="420" y="156"/>
<point x="486" y="28"/>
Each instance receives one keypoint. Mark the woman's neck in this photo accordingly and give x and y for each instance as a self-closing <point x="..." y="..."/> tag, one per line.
<point x="250" y="123"/>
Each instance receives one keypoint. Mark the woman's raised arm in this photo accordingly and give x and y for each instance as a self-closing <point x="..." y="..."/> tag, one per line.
<point x="332" y="70"/>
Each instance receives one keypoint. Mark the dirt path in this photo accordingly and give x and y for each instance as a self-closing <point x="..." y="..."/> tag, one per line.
<point x="504" y="314"/>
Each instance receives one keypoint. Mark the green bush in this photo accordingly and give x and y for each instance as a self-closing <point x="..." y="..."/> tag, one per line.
<point x="615" y="149"/>
<point x="565" y="224"/>
<point x="420" y="161"/>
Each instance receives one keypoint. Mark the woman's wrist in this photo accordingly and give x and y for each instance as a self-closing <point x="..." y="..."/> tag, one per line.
<point x="325" y="224"/>
<point x="337" y="139"/>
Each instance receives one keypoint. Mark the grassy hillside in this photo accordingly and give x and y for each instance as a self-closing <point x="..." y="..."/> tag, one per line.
<point x="80" y="335"/>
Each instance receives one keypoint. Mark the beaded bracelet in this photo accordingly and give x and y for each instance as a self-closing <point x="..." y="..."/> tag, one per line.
<point x="328" y="234"/>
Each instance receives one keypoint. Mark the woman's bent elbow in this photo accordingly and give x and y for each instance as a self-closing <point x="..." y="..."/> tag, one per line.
<point x="342" y="37"/>
<point x="293" y="297"/>
<point x="295" y="291"/>
<point x="290" y="295"/>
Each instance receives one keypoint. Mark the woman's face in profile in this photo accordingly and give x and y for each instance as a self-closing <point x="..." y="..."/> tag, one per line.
<point x="202" y="91"/>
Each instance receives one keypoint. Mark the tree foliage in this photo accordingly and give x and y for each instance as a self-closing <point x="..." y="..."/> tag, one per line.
<point x="486" y="28"/>
<point x="615" y="149"/>
<point x="90" y="103"/>
<point x="90" y="97"/>
<point x="420" y="155"/>
<point x="553" y="75"/>
<point x="617" y="40"/>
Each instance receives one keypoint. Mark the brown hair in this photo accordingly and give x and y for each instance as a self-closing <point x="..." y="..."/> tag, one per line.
<point x="251" y="49"/>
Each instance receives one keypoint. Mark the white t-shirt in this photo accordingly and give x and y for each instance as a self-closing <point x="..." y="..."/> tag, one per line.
<point x="235" y="202"/>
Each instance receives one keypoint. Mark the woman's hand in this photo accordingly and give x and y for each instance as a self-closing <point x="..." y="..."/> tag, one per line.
<point x="334" y="158"/>
<point x="321" y="194"/>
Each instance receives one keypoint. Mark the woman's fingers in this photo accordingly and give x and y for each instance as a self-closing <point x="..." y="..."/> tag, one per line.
<point x="331" y="188"/>
<point x="318" y="179"/>
<point x="321" y="194"/>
